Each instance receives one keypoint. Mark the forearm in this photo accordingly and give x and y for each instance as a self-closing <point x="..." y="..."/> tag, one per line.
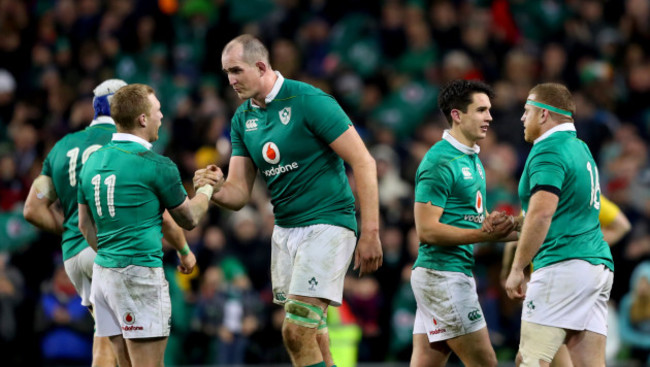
<point x="617" y="229"/>
<point x="191" y="211"/>
<point x="231" y="196"/>
<point x="45" y="218"/>
<point x="531" y="239"/>
<point x="90" y="234"/>
<point x="366" y="183"/>
<point x="172" y="232"/>
<point x="508" y="257"/>
<point x="446" y="235"/>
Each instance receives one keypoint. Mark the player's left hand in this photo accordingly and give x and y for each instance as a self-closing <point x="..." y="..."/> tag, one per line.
<point x="516" y="284"/>
<point x="493" y="219"/>
<point x="368" y="256"/>
<point x="187" y="263"/>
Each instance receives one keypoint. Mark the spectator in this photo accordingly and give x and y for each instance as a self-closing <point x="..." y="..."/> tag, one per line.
<point x="634" y="314"/>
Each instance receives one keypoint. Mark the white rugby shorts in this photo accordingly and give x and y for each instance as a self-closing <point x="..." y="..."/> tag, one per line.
<point x="80" y="271"/>
<point x="570" y="295"/>
<point x="310" y="261"/>
<point x="447" y="303"/>
<point x="132" y="301"/>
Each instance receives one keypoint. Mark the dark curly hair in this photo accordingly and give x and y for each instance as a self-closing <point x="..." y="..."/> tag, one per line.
<point x="457" y="95"/>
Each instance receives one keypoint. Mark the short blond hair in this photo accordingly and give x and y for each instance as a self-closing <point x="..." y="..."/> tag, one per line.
<point x="556" y="95"/>
<point x="253" y="50"/>
<point x="128" y="103"/>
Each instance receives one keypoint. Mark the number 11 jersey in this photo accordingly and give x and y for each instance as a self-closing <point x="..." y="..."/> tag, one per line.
<point x="127" y="187"/>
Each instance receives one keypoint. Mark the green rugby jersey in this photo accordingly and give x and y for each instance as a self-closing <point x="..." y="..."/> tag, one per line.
<point x="289" y="142"/>
<point x="451" y="176"/>
<point x="63" y="164"/>
<point x="560" y="161"/>
<point x="127" y="187"/>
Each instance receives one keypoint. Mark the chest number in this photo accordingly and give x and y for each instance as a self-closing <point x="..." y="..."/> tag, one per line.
<point x="110" y="194"/>
<point x="73" y="155"/>
<point x="595" y="186"/>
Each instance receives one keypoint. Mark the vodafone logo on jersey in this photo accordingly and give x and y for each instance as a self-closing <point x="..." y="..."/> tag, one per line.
<point x="479" y="202"/>
<point x="271" y="153"/>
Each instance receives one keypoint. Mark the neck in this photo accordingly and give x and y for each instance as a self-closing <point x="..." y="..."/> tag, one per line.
<point x="139" y="133"/>
<point x="268" y="81"/>
<point x="458" y="135"/>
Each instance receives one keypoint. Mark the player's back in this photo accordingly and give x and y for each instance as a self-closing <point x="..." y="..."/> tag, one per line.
<point x="63" y="165"/>
<point x="575" y="230"/>
<point x="127" y="187"/>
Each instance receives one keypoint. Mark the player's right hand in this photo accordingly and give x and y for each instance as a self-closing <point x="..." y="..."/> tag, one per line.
<point x="516" y="284"/>
<point x="492" y="220"/>
<point x="368" y="256"/>
<point x="211" y="175"/>
<point x="187" y="263"/>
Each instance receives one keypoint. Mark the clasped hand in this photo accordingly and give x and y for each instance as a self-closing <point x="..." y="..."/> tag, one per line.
<point x="211" y="175"/>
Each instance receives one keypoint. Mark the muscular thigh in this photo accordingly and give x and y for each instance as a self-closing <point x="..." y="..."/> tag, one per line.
<point x="447" y="304"/>
<point x="311" y="261"/>
<point x="555" y="298"/>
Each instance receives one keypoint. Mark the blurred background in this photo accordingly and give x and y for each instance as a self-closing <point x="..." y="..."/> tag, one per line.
<point x="385" y="62"/>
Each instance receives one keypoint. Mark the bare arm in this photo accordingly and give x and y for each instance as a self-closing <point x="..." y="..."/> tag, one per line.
<point x="351" y="149"/>
<point x="430" y="230"/>
<point x="236" y="191"/>
<point x="541" y="209"/>
<point x="191" y="211"/>
<point x="87" y="226"/>
<point x="174" y="235"/>
<point x="614" y="231"/>
<point x="38" y="208"/>
<point x="506" y="261"/>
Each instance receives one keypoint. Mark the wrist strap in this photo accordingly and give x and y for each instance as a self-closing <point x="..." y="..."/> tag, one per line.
<point x="185" y="250"/>
<point x="206" y="190"/>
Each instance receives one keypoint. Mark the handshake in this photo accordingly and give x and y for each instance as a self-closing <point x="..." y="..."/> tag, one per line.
<point x="500" y="224"/>
<point x="208" y="180"/>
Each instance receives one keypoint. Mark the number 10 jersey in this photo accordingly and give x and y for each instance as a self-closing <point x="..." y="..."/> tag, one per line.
<point x="63" y="164"/>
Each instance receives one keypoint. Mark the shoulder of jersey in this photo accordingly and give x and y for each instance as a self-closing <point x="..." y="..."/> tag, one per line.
<point x="156" y="158"/>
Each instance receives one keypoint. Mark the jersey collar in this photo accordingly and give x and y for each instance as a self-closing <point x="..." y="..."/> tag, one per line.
<point x="102" y="120"/>
<point x="131" y="137"/>
<point x="567" y="126"/>
<point x="274" y="91"/>
<point x="460" y="146"/>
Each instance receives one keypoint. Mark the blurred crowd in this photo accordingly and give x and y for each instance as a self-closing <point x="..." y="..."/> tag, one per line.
<point x="385" y="62"/>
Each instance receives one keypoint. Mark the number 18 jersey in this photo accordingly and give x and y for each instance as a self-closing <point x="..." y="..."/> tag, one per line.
<point x="560" y="162"/>
<point x="63" y="165"/>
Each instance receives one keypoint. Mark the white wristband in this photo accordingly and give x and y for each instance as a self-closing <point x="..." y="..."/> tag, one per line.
<point x="206" y="190"/>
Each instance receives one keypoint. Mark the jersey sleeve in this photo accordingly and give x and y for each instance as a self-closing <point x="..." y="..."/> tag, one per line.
<point x="236" y="139"/>
<point x="169" y="186"/>
<point x="434" y="184"/>
<point x="47" y="164"/>
<point x="325" y="117"/>
<point x="546" y="170"/>
<point x="608" y="211"/>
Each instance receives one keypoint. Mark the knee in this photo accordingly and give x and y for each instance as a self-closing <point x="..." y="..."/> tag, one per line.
<point x="518" y="359"/>
<point x="293" y="336"/>
<point x="490" y="359"/>
<point x="301" y="321"/>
